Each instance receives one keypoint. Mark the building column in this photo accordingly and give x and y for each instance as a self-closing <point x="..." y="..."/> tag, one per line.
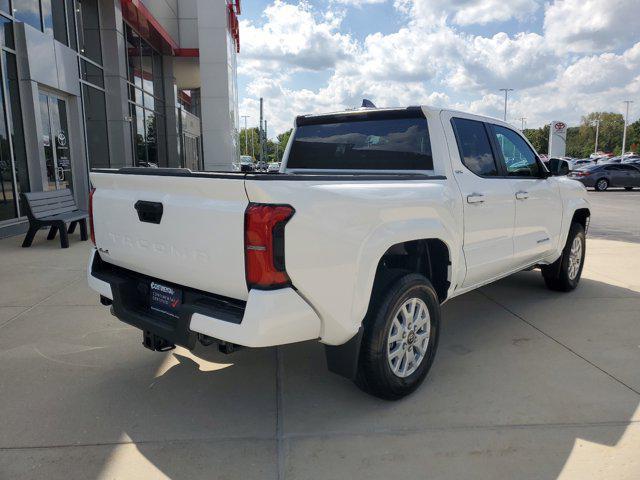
<point x="114" y="61"/>
<point x="174" y="158"/>
<point x="218" y="90"/>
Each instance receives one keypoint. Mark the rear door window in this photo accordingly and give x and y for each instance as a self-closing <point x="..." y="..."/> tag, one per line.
<point x="474" y="146"/>
<point x="363" y="144"/>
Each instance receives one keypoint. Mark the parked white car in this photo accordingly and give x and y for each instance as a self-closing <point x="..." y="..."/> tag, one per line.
<point x="273" y="167"/>
<point x="378" y="217"/>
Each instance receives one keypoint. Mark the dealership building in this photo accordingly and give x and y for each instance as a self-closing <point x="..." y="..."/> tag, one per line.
<point x="112" y="83"/>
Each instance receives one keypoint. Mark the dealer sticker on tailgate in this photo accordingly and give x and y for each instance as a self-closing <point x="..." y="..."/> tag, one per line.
<point x="165" y="299"/>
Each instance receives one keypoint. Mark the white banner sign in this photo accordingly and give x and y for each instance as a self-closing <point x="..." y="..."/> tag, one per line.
<point x="557" y="139"/>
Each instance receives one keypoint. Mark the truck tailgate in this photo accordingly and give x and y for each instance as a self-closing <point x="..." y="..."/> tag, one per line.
<point x="197" y="240"/>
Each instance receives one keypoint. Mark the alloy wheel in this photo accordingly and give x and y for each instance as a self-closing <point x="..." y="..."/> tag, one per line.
<point x="408" y="338"/>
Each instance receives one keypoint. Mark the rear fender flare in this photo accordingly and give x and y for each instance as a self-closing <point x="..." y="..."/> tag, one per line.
<point x="385" y="237"/>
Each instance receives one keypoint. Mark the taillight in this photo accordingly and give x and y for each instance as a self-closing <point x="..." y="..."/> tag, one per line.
<point x="92" y="232"/>
<point x="264" y="245"/>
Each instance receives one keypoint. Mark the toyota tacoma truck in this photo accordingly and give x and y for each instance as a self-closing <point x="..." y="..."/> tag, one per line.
<point x="375" y="219"/>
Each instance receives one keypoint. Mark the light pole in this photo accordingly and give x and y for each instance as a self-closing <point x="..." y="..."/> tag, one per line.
<point x="624" y="132"/>
<point x="506" y="93"/>
<point x="596" y="122"/>
<point x="522" y="119"/>
<point x="253" y="153"/>
<point x="246" y="141"/>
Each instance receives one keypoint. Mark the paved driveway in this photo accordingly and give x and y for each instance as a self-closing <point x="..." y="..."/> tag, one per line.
<point x="527" y="384"/>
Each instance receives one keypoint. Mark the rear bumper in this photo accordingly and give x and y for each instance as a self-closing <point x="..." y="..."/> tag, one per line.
<point x="268" y="318"/>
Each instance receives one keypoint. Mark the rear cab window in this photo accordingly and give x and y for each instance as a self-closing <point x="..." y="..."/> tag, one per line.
<point x="474" y="147"/>
<point x="362" y="141"/>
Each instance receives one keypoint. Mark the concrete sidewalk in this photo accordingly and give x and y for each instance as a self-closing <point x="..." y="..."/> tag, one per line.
<point x="528" y="383"/>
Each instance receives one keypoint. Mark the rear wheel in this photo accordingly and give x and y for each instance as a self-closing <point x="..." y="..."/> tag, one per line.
<point x="628" y="188"/>
<point x="400" y="338"/>
<point x="564" y="274"/>
<point x="602" y="184"/>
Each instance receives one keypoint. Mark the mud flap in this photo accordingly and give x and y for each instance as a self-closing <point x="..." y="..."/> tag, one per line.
<point x="343" y="359"/>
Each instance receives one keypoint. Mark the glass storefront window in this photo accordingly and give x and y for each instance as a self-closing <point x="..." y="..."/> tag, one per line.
<point x="70" y="11"/>
<point x="91" y="73"/>
<point x="59" y="22"/>
<point x="28" y="11"/>
<point x="139" y="134"/>
<point x="95" y="114"/>
<point x="6" y="33"/>
<point x="146" y="56"/>
<point x="5" y="7"/>
<point x="146" y="97"/>
<point x="8" y="207"/>
<point x="87" y="19"/>
<point x="47" y="16"/>
<point x="133" y="57"/>
<point x="16" y="129"/>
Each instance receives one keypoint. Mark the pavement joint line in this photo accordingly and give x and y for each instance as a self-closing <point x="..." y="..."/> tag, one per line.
<point x="280" y="414"/>
<point x="561" y="344"/>
<point x="39" y="303"/>
<point x="337" y="433"/>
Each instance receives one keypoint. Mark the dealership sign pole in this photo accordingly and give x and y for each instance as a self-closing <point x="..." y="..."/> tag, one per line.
<point x="624" y="131"/>
<point x="557" y="139"/>
<point x="597" y="124"/>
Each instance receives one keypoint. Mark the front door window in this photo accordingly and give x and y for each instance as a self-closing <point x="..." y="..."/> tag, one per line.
<point x="55" y="140"/>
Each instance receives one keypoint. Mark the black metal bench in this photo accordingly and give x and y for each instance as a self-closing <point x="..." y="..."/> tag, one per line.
<point x="54" y="209"/>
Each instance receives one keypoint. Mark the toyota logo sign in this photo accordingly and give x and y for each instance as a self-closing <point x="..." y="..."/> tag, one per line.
<point x="559" y="126"/>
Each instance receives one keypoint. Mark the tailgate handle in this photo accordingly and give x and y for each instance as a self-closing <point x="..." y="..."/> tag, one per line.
<point x="149" y="212"/>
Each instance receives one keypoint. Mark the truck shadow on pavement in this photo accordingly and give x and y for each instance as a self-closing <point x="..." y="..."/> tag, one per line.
<point x="522" y="374"/>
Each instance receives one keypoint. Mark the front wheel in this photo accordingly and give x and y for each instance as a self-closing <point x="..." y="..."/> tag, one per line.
<point x="602" y="185"/>
<point x="628" y="188"/>
<point x="564" y="274"/>
<point x="400" y="338"/>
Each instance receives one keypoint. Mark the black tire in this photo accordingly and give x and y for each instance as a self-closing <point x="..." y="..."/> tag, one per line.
<point x="628" y="188"/>
<point x="375" y="375"/>
<point x="557" y="275"/>
<point x="602" y="184"/>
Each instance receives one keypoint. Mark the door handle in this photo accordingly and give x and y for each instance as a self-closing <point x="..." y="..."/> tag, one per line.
<point x="522" y="195"/>
<point x="475" y="198"/>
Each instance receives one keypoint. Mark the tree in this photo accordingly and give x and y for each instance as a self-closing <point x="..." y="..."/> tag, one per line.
<point x="283" y="139"/>
<point x="246" y="148"/>
<point x="539" y="138"/>
<point x="610" y="136"/>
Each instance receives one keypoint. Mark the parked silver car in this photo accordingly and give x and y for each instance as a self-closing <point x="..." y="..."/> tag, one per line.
<point x="603" y="176"/>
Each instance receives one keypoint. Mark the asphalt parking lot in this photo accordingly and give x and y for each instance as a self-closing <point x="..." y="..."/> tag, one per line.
<point x="616" y="215"/>
<point x="528" y="383"/>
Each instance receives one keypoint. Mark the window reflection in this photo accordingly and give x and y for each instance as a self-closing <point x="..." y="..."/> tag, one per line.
<point x="16" y="129"/>
<point x="28" y="11"/>
<point x="146" y="96"/>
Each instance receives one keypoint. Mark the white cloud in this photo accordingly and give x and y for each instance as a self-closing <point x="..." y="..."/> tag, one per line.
<point x="591" y="25"/>
<point x="467" y="12"/>
<point x="358" y="3"/>
<point x="294" y="36"/>
<point x="433" y="63"/>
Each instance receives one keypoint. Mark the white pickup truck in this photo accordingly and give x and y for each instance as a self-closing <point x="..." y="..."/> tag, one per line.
<point x="376" y="218"/>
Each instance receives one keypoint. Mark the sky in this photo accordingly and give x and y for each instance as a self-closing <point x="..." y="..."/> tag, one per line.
<point x="563" y="58"/>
